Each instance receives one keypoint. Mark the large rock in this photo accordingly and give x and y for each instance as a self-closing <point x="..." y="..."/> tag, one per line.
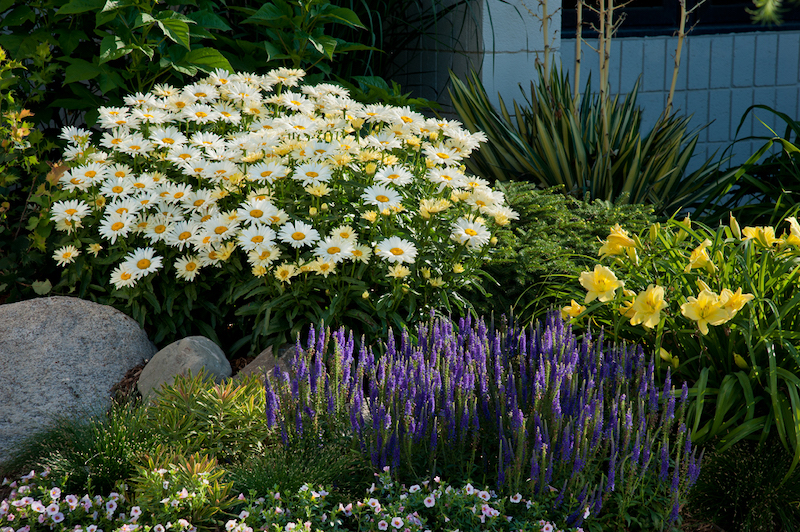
<point x="189" y="354"/>
<point x="61" y="356"/>
<point x="265" y="362"/>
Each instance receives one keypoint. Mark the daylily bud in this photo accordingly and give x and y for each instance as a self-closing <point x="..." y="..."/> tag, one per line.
<point x="740" y="361"/>
<point x="654" y="230"/>
<point x="365" y="295"/>
<point x="676" y="362"/>
<point x="737" y="232"/>
<point x="664" y="354"/>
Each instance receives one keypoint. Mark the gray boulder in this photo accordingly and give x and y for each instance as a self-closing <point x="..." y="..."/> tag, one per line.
<point x="178" y="358"/>
<point x="265" y="362"/>
<point x="61" y="356"/>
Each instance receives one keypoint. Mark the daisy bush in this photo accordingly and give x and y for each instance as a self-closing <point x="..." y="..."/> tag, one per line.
<point x="299" y="202"/>
<point x="720" y="306"/>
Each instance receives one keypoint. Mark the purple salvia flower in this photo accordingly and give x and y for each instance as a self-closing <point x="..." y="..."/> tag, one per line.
<point x="670" y="408"/>
<point x="664" y="463"/>
<point x="272" y="405"/>
<point x="612" y="468"/>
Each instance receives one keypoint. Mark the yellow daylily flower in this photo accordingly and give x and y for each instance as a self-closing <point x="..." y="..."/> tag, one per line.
<point x="648" y="306"/>
<point x="627" y="306"/>
<point x="573" y="310"/>
<point x="600" y="284"/>
<point x="733" y="302"/>
<point x="699" y="258"/>
<point x="794" y="232"/>
<point x="616" y="243"/>
<point x="764" y="235"/>
<point x="705" y="309"/>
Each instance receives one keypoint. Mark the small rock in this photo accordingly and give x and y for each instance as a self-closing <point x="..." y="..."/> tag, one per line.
<point x="178" y="358"/>
<point x="266" y="362"/>
<point x="61" y="355"/>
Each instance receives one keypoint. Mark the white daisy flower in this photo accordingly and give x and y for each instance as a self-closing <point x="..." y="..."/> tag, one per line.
<point x="361" y="253"/>
<point x="150" y="115"/>
<point x="264" y="256"/>
<point x="72" y="210"/>
<point x="322" y="267"/>
<point x="74" y="135"/>
<point x="181" y="234"/>
<point x="268" y="171"/>
<point x="123" y="276"/>
<point x="142" y="262"/>
<point x="198" y="200"/>
<point x="219" y="76"/>
<point x="114" y="226"/>
<point x="346" y="232"/>
<point x="184" y="154"/>
<point x="382" y="196"/>
<point x="312" y="173"/>
<point x="204" y="139"/>
<point x="441" y="154"/>
<point x="167" y="137"/>
<point x="66" y="255"/>
<point x="135" y="145"/>
<point x="187" y="267"/>
<point x="117" y="188"/>
<point x="164" y="90"/>
<point x="202" y="92"/>
<point x="298" y="234"/>
<point x="124" y="206"/>
<point x="228" y="113"/>
<point x="256" y="211"/>
<point x="200" y="113"/>
<point x="396" y="174"/>
<point x="445" y="177"/>
<point x="179" y="102"/>
<point x="158" y="228"/>
<point x="473" y="234"/>
<point x="396" y="249"/>
<point x="256" y="238"/>
<point x="112" y="139"/>
<point x="334" y="249"/>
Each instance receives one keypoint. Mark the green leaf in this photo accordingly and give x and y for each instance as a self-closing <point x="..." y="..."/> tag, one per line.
<point x="207" y="59"/>
<point x="81" y="70"/>
<point x="18" y="16"/>
<point x="80" y="6"/>
<point x="209" y="20"/>
<point x="143" y="19"/>
<point x="324" y="45"/>
<point x="42" y="287"/>
<point x="176" y="31"/>
<point x="268" y="14"/>
<point x="346" y="16"/>
<point x="113" y="47"/>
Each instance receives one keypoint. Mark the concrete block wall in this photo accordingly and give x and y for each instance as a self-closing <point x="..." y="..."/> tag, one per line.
<point x="720" y="77"/>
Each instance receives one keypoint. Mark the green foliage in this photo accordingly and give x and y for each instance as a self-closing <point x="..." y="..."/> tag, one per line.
<point x="172" y="486"/>
<point x="760" y="191"/>
<point x="726" y="318"/>
<point x="555" y="235"/>
<point x="744" y="489"/>
<point x="554" y="140"/>
<point x="225" y="420"/>
<point x="89" y="454"/>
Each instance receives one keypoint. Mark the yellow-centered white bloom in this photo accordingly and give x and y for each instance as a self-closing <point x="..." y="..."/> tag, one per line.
<point x="66" y="255"/>
<point x="396" y="249"/>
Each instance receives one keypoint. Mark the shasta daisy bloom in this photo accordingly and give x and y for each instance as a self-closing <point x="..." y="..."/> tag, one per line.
<point x="334" y="249"/>
<point x="198" y="200"/>
<point x="346" y="232"/>
<point x="256" y="211"/>
<point x="382" y="196"/>
<point x="298" y="234"/>
<point x="268" y="171"/>
<point x="288" y="77"/>
<point x="312" y="173"/>
<point x="322" y="267"/>
<point x="123" y="276"/>
<point x="187" y="267"/>
<point x="256" y="238"/>
<point x="116" y="188"/>
<point x="74" y="135"/>
<point x="361" y="253"/>
<point x="472" y="234"/>
<point x="158" y="228"/>
<point x="396" y="174"/>
<point x="228" y="113"/>
<point x="600" y="284"/>
<point x="200" y="113"/>
<point x="285" y="272"/>
<point x="264" y="256"/>
<point x="135" y="145"/>
<point x="319" y="190"/>
<point x="396" y="249"/>
<point x="445" y="177"/>
<point x="72" y="210"/>
<point x="143" y="261"/>
<point x="441" y="154"/>
<point x="202" y="92"/>
<point x="205" y="139"/>
<point x="296" y="102"/>
<point x="150" y="115"/>
<point x="167" y="137"/>
<point x="181" y="234"/>
<point x="114" y="226"/>
<point x="184" y="154"/>
<point x="66" y="255"/>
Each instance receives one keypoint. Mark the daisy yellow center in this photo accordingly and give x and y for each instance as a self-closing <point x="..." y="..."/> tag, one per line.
<point x="201" y="114"/>
<point x="134" y="147"/>
<point x="274" y="219"/>
<point x="184" y="235"/>
<point x="178" y="195"/>
<point x="357" y="253"/>
<point x="256" y="213"/>
<point x="212" y="255"/>
<point x="90" y="174"/>
<point x="470" y="231"/>
<point x="266" y="173"/>
<point x="122" y="210"/>
<point x="191" y="266"/>
<point x="117" y="189"/>
<point x="265" y="255"/>
<point x="480" y="203"/>
<point x="324" y="266"/>
<point x="71" y="211"/>
<point x="125" y="276"/>
<point x="443" y="155"/>
<point x="198" y="202"/>
<point x="382" y="198"/>
<point x="257" y="239"/>
<point x="393" y="176"/>
<point x="120" y="122"/>
<point x="143" y="264"/>
<point x="333" y="250"/>
<point x="76" y="181"/>
<point x="296" y="102"/>
<point x="473" y="184"/>
<point x="312" y="174"/>
<point x="407" y="119"/>
<point x="167" y="140"/>
<point x="200" y="94"/>
<point x="119" y="174"/>
<point x="447" y="178"/>
<point x="205" y="218"/>
<point x="116" y="226"/>
<point x="67" y="254"/>
<point x="220" y="229"/>
<point x="116" y="141"/>
<point x="184" y="156"/>
<point x="206" y="239"/>
<point x="396" y="251"/>
<point x="164" y="194"/>
<point x="160" y="229"/>
<point x="298" y="235"/>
